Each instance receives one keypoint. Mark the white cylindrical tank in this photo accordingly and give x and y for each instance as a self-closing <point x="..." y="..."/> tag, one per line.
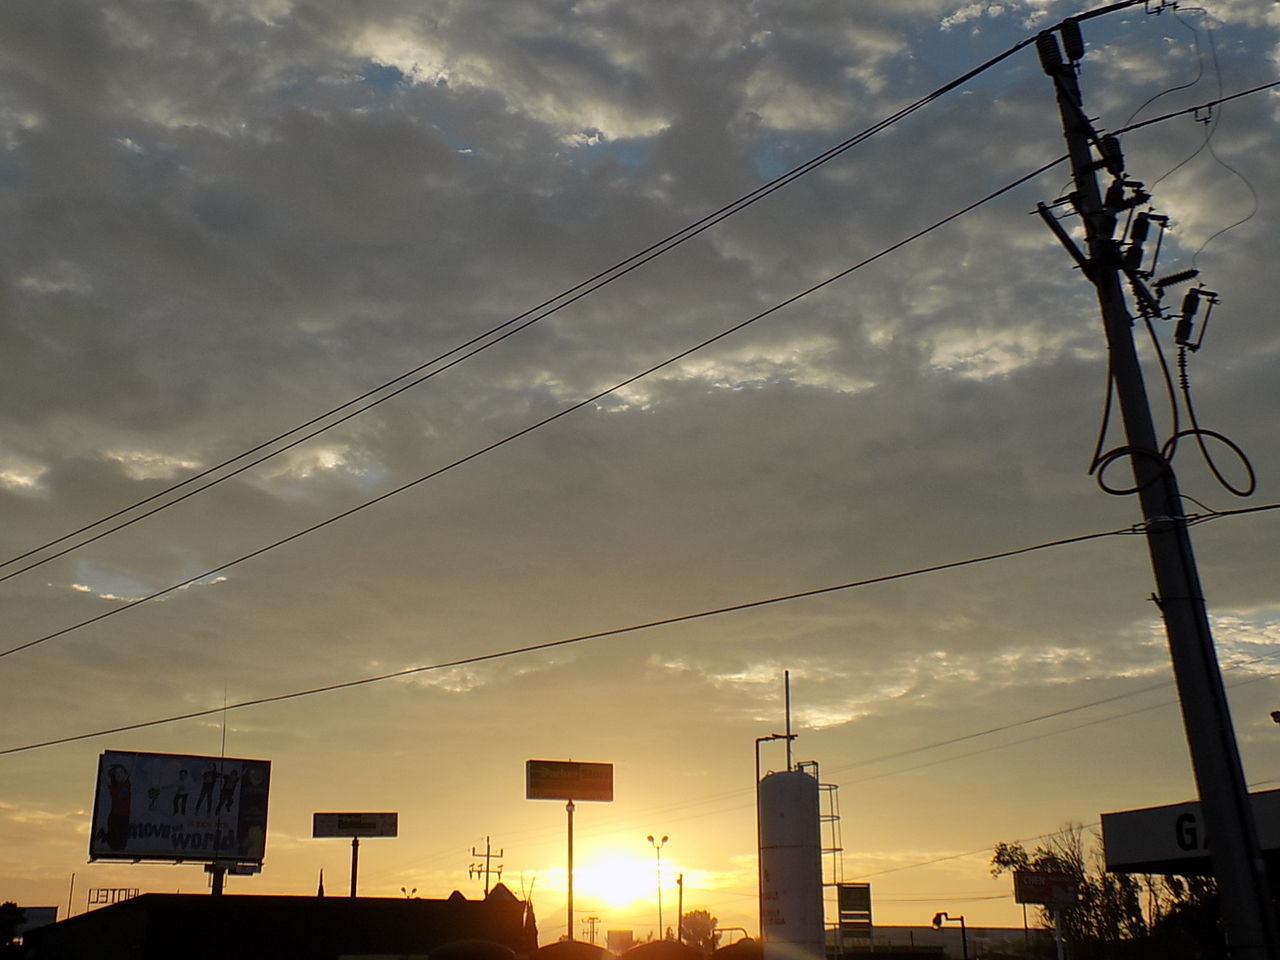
<point x="791" y="921"/>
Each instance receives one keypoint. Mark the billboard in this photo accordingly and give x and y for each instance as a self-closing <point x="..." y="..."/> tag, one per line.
<point x="162" y="806"/>
<point x="567" y="780"/>
<point x="354" y="824"/>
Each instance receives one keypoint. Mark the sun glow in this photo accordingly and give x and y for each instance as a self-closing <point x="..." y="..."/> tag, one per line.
<point x="618" y="880"/>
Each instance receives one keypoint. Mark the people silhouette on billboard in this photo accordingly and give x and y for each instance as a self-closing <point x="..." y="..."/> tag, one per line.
<point x="180" y="792"/>
<point x="120" y="790"/>
<point x="226" y="796"/>
<point x="208" y="780"/>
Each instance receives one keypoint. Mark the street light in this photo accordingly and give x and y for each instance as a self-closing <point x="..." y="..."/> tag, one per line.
<point x="408" y="894"/>
<point x="657" y="846"/>
<point x="939" y="918"/>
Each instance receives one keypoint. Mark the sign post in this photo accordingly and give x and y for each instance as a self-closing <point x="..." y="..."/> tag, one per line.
<point x="1051" y="890"/>
<point x="355" y="826"/>
<point x="566" y="780"/>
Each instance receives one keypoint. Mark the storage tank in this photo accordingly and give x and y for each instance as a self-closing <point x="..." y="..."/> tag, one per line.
<point x="791" y="921"/>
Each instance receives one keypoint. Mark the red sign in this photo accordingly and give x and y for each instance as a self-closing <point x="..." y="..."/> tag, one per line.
<point x="1052" y="889"/>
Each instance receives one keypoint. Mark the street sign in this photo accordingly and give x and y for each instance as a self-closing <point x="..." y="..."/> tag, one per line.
<point x="567" y="780"/>
<point x="354" y="824"/>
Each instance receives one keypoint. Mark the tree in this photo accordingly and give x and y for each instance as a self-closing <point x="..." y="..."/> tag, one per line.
<point x="698" y="929"/>
<point x="11" y="916"/>
<point x="1179" y="918"/>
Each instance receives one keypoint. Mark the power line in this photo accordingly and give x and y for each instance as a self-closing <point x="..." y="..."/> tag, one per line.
<point x="599" y="635"/>
<point x="565" y="411"/>
<point x="578" y="405"/>
<point x="482" y="341"/>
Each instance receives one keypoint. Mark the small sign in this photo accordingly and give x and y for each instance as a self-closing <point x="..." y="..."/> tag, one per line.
<point x="854" y="902"/>
<point x="1051" y="889"/>
<point x="567" y="780"/>
<point x="354" y="824"/>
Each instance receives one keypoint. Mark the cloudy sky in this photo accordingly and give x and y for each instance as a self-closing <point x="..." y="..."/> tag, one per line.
<point x="222" y="219"/>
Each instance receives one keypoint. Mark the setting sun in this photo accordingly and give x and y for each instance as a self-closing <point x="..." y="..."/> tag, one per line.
<point x="619" y="880"/>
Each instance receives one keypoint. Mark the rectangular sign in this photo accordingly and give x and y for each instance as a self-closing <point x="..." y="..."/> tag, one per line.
<point x="162" y="806"/>
<point x="1171" y="839"/>
<point x="1053" y="889"/>
<point x="567" y="780"/>
<point x="854" y="903"/>
<point x="354" y="824"/>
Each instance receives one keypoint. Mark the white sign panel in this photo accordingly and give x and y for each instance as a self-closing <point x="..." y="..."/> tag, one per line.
<point x="1172" y="839"/>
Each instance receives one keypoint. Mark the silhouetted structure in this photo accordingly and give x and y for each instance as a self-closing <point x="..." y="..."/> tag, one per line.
<point x="569" y="950"/>
<point x="158" y="926"/>
<point x="664" y="950"/>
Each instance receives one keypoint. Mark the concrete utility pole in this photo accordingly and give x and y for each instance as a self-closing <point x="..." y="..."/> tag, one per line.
<point x="1247" y="914"/>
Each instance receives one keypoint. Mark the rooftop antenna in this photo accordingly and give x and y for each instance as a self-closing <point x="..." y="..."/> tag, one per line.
<point x="786" y="683"/>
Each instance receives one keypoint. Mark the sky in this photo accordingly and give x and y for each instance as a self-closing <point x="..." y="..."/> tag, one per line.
<point x="220" y="219"/>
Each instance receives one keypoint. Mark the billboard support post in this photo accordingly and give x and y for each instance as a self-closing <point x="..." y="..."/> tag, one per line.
<point x="569" y="906"/>
<point x="355" y="863"/>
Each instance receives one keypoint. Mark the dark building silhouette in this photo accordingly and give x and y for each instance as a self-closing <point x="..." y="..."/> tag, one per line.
<point x="161" y="926"/>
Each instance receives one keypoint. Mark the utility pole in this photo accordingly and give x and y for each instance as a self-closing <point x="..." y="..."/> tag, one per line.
<point x="484" y="869"/>
<point x="1247" y="916"/>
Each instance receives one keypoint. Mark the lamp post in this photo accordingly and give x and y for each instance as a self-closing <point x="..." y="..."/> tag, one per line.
<point x="939" y="918"/>
<point x="409" y="894"/>
<point x="657" y="846"/>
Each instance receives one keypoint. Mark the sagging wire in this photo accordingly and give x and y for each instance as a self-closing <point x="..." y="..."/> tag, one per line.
<point x="1210" y="118"/>
<point x="1123" y="198"/>
<point x="1149" y="300"/>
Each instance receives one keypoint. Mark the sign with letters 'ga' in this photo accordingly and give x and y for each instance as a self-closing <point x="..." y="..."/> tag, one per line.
<point x="567" y="780"/>
<point x="1172" y="839"/>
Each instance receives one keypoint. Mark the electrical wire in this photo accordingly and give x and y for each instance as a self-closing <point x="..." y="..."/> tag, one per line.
<point x="669" y="621"/>
<point x="583" y="638"/>
<point x="1195" y="39"/>
<point x="589" y="400"/>
<point x="518" y="323"/>
<point x="564" y="411"/>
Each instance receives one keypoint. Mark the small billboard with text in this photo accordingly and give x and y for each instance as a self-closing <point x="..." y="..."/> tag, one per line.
<point x="162" y="806"/>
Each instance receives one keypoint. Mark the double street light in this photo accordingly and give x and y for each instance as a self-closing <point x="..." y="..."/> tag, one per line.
<point x="657" y="846"/>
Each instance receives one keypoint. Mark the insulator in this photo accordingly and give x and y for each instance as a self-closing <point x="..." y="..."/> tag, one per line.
<point x="1112" y="156"/>
<point x="1173" y="279"/>
<point x="1141" y="227"/>
<point x="1050" y="54"/>
<point x="1072" y="39"/>
<point x="1191" y="302"/>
